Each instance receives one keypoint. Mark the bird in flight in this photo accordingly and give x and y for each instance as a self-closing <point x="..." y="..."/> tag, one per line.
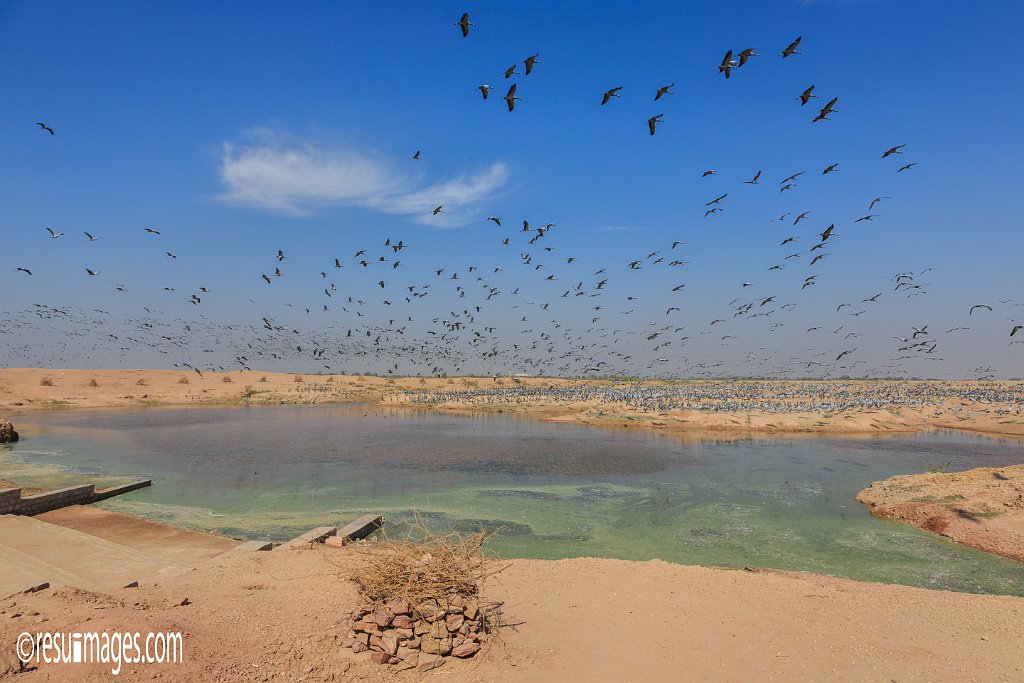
<point x="483" y="89"/>
<point x="511" y="71"/>
<point x="653" y="121"/>
<point x="530" y="61"/>
<point x="893" y="150"/>
<point x="45" y="127"/>
<point x="91" y="272"/>
<point x="831" y="169"/>
<point x="907" y="167"/>
<point x="151" y="230"/>
<point x="870" y="216"/>
<point x="875" y="201"/>
<point x="828" y="232"/>
<point x="826" y="110"/>
<point x="705" y="174"/>
<point x="717" y="199"/>
<point x="438" y="210"/>
<point x="1015" y="330"/>
<point x="91" y="238"/>
<point x="801" y="217"/>
<point x="747" y="54"/>
<point x="614" y="92"/>
<point x="806" y="96"/>
<point x="985" y="306"/>
<point x="29" y="272"/>
<point x="791" y="48"/>
<point x="464" y="23"/>
<point x="54" y="235"/>
<point x="511" y="97"/>
<point x="728" y="63"/>
<point x="663" y="90"/>
<point x="416" y="155"/>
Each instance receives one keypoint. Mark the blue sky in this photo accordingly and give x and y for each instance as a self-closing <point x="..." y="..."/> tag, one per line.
<point x="238" y="130"/>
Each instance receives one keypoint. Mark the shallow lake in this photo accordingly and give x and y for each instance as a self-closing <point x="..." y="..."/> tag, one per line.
<point x="545" y="490"/>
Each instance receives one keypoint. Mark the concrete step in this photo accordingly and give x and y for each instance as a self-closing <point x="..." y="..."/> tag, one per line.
<point x="65" y="556"/>
<point x="174" y="543"/>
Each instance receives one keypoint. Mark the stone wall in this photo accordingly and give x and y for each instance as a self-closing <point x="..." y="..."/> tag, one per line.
<point x="9" y="499"/>
<point x="13" y="503"/>
<point x="52" y="500"/>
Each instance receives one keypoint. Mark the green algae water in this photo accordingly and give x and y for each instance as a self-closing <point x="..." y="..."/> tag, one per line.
<point x="545" y="490"/>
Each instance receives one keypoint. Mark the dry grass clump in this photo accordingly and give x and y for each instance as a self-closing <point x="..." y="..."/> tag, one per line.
<point x="422" y="598"/>
<point x="263" y="379"/>
<point x="422" y="566"/>
<point x="141" y="383"/>
<point x="183" y="380"/>
<point x="46" y="382"/>
<point x="93" y="382"/>
<point x="226" y="380"/>
<point x="297" y="378"/>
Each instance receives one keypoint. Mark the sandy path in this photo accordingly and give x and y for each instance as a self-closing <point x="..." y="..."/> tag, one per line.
<point x="279" y="616"/>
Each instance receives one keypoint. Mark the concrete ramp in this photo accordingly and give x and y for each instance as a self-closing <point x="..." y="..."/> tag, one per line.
<point x="39" y="551"/>
<point x="171" y="542"/>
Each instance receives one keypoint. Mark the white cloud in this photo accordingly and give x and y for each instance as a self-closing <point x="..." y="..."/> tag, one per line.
<point x="297" y="177"/>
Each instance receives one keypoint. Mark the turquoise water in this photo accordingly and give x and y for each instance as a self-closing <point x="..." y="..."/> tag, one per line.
<point x="545" y="490"/>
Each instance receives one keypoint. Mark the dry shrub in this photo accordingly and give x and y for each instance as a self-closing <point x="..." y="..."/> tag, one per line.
<point x="297" y="378"/>
<point x="330" y="380"/>
<point x="93" y="382"/>
<point x="226" y="380"/>
<point x="263" y="379"/>
<point x="141" y="383"/>
<point x="46" y="382"/>
<point x="183" y="380"/>
<point x="422" y="567"/>
<point x="422" y="380"/>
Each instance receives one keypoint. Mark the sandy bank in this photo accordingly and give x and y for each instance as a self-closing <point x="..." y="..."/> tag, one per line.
<point x="278" y="616"/>
<point x="30" y="389"/>
<point x="982" y="508"/>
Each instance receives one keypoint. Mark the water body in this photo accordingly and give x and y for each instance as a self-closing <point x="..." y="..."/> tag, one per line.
<point x="546" y="490"/>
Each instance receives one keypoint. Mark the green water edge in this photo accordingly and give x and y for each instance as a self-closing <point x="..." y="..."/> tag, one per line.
<point x="781" y="525"/>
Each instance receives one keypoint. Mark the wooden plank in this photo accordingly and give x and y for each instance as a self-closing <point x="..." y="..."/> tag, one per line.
<point x="362" y="527"/>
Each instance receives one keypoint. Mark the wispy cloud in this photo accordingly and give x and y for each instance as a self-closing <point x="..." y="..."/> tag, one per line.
<point x="297" y="177"/>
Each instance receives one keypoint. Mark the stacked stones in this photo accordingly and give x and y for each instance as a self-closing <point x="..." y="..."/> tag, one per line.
<point x="7" y="433"/>
<point x="418" y="636"/>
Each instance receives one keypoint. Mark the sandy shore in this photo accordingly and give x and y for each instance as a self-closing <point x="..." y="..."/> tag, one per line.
<point x="30" y="389"/>
<point x="982" y="508"/>
<point x="279" y="616"/>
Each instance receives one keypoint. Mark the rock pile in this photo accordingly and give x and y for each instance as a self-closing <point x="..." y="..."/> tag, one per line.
<point x="418" y="636"/>
<point x="7" y="433"/>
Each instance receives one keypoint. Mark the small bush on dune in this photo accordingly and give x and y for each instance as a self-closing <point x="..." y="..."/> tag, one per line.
<point x="297" y="378"/>
<point x="141" y="383"/>
<point x="183" y="380"/>
<point x="46" y="382"/>
<point x="226" y="380"/>
<point x="93" y="382"/>
<point x="263" y="379"/>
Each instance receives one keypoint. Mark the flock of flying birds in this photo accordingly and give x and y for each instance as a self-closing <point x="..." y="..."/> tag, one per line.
<point x="473" y="332"/>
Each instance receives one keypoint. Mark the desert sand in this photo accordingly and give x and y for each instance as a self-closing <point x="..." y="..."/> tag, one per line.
<point x="281" y="616"/>
<point x="982" y="508"/>
<point x="28" y="389"/>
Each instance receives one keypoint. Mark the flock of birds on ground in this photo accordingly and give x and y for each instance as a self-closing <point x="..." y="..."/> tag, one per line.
<point x="472" y="334"/>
